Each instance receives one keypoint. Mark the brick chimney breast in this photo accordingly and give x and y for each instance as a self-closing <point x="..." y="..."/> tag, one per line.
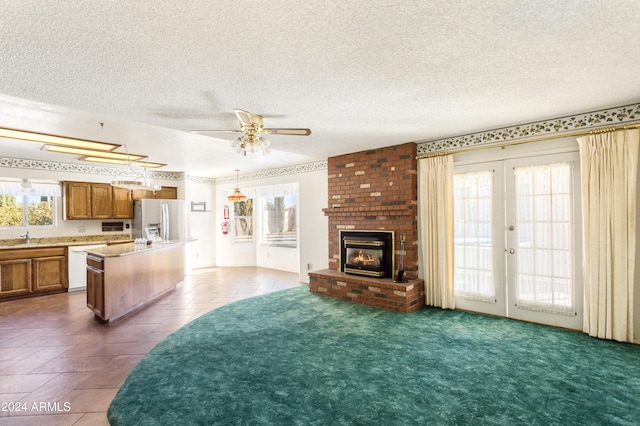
<point x="381" y="194"/>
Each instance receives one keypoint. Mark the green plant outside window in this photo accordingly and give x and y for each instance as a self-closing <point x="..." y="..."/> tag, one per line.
<point x="26" y="210"/>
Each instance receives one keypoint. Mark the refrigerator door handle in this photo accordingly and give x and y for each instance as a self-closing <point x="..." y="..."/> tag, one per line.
<point x="165" y="222"/>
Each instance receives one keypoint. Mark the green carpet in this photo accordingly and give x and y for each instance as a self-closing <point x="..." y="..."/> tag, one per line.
<point x="295" y="358"/>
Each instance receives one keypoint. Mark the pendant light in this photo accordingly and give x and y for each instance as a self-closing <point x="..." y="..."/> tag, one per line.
<point x="141" y="179"/>
<point x="237" y="195"/>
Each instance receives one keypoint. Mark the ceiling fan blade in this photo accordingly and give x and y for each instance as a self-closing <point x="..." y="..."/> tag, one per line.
<point x="246" y="118"/>
<point x="205" y="132"/>
<point x="291" y="132"/>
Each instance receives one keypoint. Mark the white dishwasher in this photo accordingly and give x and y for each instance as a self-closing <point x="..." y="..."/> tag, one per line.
<point x="78" y="266"/>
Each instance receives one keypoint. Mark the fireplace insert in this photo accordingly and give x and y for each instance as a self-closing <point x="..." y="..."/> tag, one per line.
<point x="367" y="253"/>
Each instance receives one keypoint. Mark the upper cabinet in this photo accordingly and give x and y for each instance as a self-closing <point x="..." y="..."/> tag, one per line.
<point x="121" y="203"/>
<point x="77" y="200"/>
<point x="164" y="193"/>
<point x="85" y="200"/>
<point x="101" y="201"/>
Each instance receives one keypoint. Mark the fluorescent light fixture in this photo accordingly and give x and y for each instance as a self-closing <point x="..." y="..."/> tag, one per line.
<point x="92" y="153"/>
<point x="56" y="140"/>
<point x="147" y="164"/>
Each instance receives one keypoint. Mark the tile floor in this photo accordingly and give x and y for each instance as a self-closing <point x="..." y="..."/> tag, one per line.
<point x="59" y="366"/>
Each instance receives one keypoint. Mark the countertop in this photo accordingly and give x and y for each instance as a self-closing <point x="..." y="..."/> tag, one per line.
<point x="117" y="250"/>
<point x="63" y="242"/>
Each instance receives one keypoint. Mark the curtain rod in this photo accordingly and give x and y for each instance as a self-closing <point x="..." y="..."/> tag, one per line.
<point x="538" y="139"/>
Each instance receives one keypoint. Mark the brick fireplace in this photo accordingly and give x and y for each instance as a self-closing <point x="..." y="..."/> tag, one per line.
<point x="374" y="190"/>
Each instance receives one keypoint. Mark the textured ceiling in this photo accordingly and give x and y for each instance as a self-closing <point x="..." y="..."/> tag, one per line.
<point x="360" y="74"/>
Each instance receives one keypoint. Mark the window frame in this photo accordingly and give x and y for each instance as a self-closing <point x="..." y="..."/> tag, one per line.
<point x="23" y="199"/>
<point x="271" y="193"/>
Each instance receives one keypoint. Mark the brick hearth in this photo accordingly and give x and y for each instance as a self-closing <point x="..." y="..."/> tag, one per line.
<point x="372" y="190"/>
<point x="381" y="292"/>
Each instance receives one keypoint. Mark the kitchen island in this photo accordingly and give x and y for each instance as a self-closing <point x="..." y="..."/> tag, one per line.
<point x="126" y="277"/>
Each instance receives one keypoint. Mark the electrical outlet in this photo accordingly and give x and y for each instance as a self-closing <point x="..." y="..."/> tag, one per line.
<point x="81" y="229"/>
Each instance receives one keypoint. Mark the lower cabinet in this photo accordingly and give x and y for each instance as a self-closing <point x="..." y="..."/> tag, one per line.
<point x="95" y="285"/>
<point x="27" y="272"/>
<point x="49" y="273"/>
<point x="15" y="277"/>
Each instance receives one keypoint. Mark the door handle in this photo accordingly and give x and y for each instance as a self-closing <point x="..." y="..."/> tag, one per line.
<point x="512" y="251"/>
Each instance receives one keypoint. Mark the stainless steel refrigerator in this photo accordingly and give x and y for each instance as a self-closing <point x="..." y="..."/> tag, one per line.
<point x="167" y="216"/>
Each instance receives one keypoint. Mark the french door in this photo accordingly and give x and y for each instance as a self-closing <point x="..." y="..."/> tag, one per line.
<point x="517" y="239"/>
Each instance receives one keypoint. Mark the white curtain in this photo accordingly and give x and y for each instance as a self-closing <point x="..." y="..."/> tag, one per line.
<point x="30" y="187"/>
<point x="436" y="229"/>
<point x="608" y="164"/>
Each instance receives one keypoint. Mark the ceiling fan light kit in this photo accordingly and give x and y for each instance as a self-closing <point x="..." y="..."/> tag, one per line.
<point x="251" y="144"/>
<point x="252" y="129"/>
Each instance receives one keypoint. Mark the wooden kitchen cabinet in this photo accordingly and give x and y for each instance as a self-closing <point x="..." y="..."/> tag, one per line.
<point x="140" y="194"/>
<point x="86" y="200"/>
<point x="167" y="193"/>
<point x="101" y="201"/>
<point x="95" y="285"/>
<point x="164" y="193"/>
<point x="77" y="200"/>
<point x="49" y="273"/>
<point x="15" y="277"/>
<point x="122" y="203"/>
<point x="29" y="271"/>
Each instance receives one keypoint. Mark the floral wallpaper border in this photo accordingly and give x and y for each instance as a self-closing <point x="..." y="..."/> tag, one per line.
<point x="176" y="176"/>
<point x="290" y="170"/>
<point x="82" y="168"/>
<point x="555" y="127"/>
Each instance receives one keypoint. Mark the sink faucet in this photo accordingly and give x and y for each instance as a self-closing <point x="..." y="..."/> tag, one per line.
<point x="26" y="236"/>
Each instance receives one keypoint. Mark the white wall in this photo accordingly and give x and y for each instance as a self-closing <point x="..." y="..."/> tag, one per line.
<point x="201" y="252"/>
<point x="313" y="227"/>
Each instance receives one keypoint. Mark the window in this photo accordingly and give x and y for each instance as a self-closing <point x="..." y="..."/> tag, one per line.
<point x="279" y="208"/>
<point x="25" y="203"/>
<point x="243" y="221"/>
<point x="26" y="210"/>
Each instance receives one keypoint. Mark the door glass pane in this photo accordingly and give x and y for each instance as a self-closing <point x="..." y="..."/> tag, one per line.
<point x="473" y="273"/>
<point x="543" y="223"/>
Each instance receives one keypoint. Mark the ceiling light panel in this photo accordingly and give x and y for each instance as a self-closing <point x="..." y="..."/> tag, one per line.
<point x="56" y="140"/>
<point x="147" y="164"/>
<point x="97" y="154"/>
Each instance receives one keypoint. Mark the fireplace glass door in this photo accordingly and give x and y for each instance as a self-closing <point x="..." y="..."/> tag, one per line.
<point x="364" y="257"/>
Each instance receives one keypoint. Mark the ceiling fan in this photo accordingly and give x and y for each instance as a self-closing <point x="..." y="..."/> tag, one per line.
<point x="252" y="130"/>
